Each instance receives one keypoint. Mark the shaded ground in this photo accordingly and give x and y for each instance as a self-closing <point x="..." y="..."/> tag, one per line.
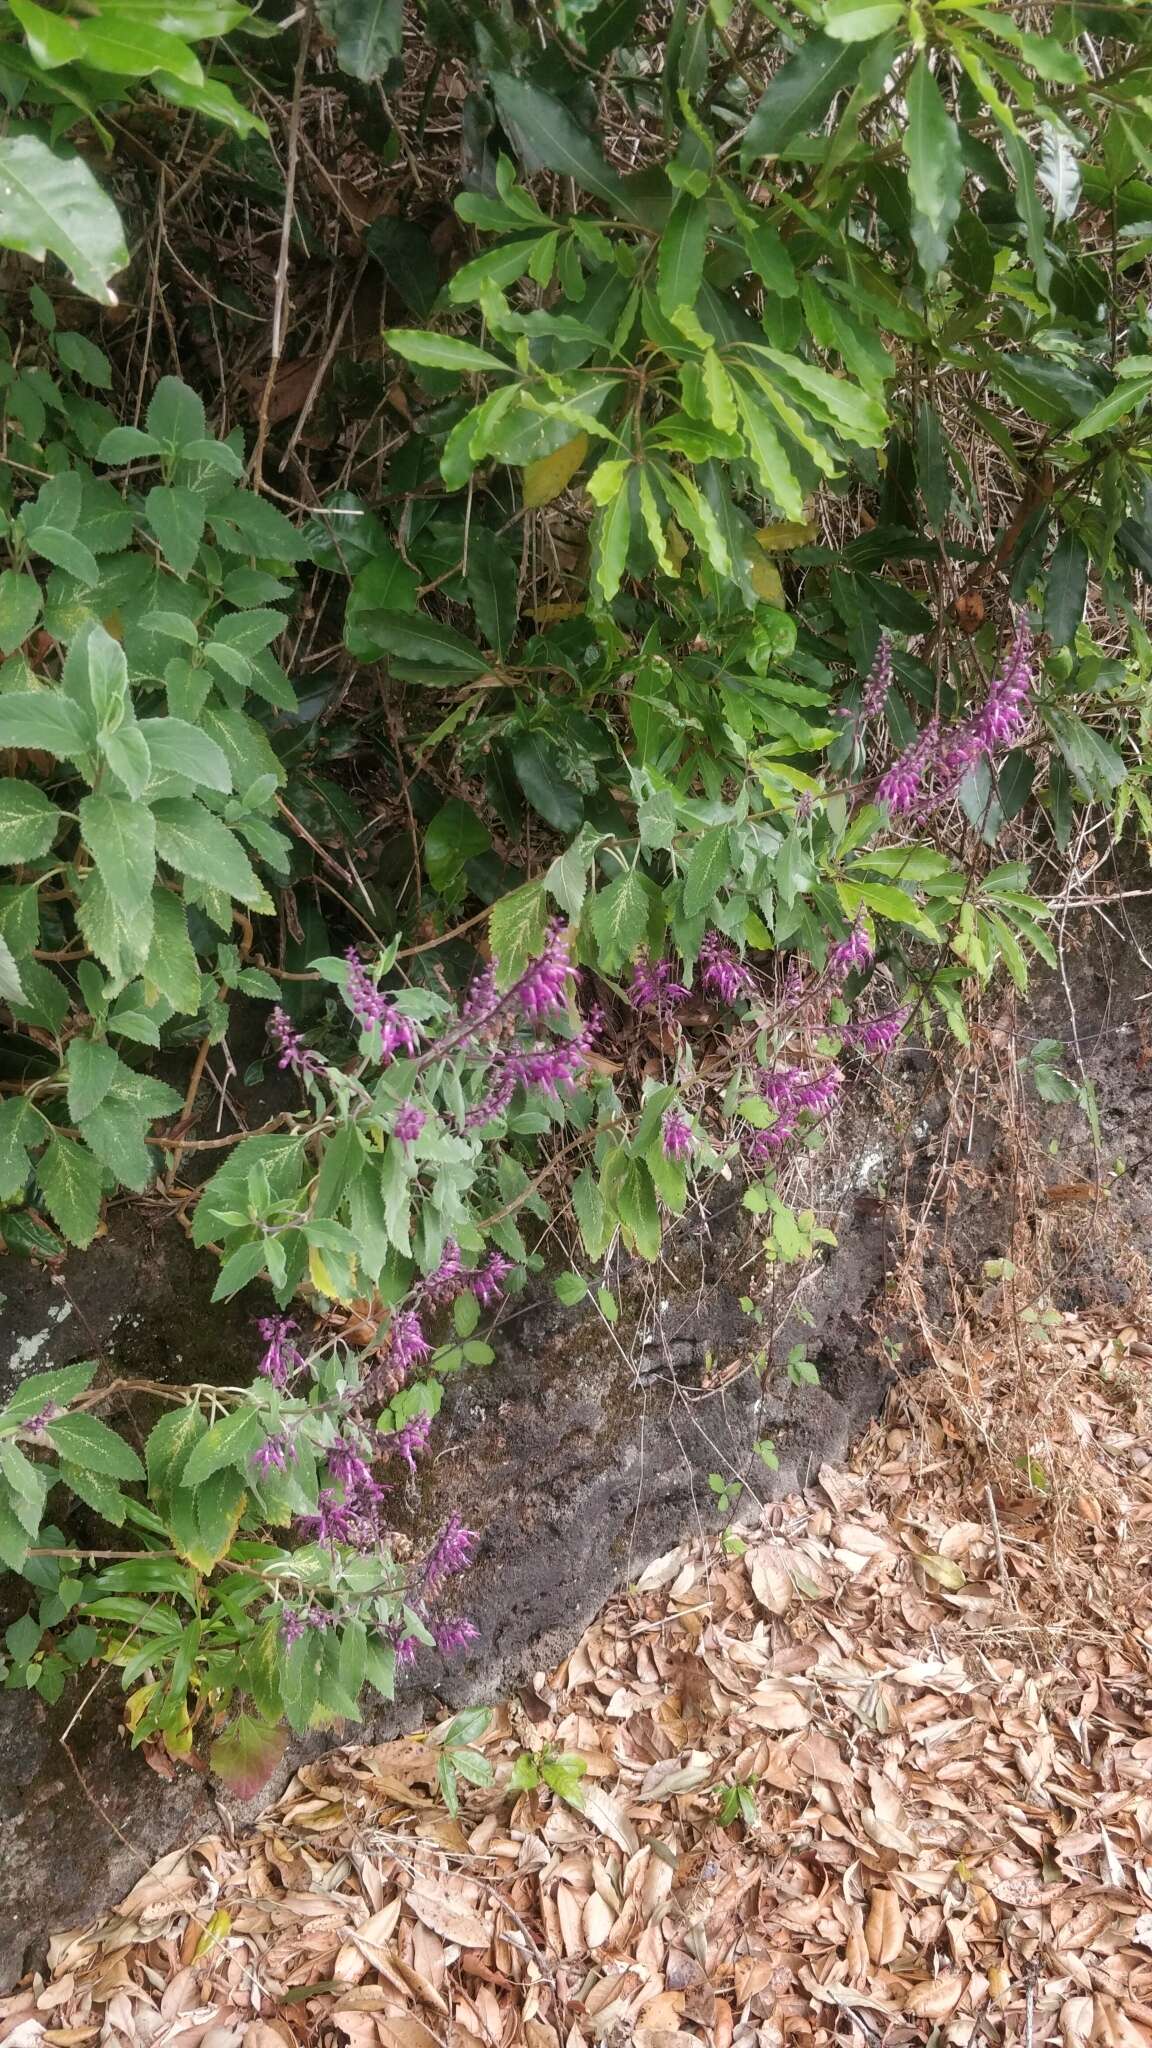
<point x="930" y="1673"/>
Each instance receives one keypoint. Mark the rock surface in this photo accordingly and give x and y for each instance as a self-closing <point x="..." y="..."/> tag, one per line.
<point x="586" y="1449"/>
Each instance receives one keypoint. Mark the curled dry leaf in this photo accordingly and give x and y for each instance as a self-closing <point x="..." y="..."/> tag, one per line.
<point x="885" y="1928"/>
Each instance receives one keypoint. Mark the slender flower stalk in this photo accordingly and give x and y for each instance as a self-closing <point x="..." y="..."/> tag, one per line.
<point x="281" y="1360"/>
<point x="487" y="1282"/>
<point x="653" y="987"/>
<point x="879" y="681"/>
<point x="376" y="1013"/>
<point x="852" y="953"/>
<point x="451" y="1553"/>
<point x="900" y="786"/>
<point x="454" y="1634"/>
<point x="293" y="1053"/>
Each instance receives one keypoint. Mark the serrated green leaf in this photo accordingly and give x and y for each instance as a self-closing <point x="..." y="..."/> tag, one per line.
<point x="28" y="822"/>
<point x="619" y="917"/>
<point x="70" y="1181"/>
<point x="85" y="1440"/>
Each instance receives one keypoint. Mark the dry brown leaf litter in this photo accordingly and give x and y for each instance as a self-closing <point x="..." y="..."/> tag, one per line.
<point x="934" y="1669"/>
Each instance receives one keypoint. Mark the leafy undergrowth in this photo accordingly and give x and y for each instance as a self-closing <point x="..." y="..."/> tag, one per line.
<point x="922" y="1691"/>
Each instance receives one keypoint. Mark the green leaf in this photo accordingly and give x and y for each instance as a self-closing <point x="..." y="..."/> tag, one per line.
<point x="413" y="637"/>
<point x="215" y="100"/>
<point x="21" y="1127"/>
<point x="454" y="837"/>
<point x="134" y="49"/>
<point x="570" y="1288"/>
<point x="768" y="455"/>
<point x="857" y="21"/>
<point x="121" y="837"/>
<point x="935" y="167"/>
<point x="92" y="1068"/>
<point x="1028" y="207"/>
<point x="1067" y="589"/>
<point x="47" y="722"/>
<point x="369" y="34"/>
<point x="192" y="840"/>
<point x="440" y="351"/>
<point x="517" y="929"/>
<point x="612" y="532"/>
<point x="638" y="1209"/>
<point x="229" y="1442"/>
<point x="1117" y="406"/>
<point x="28" y="822"/>
<point x="171" y="967"/>
<point x="247" y="1753"/>
<point x="20" y="602"/>
<point x="493" y="580"/>
<point x="70" y="1180"/>
<point x="177" y="748"/>
<point x="176" y="517"/>
<point x="126" y="444"/>
<point x="800" y="95"/>
<point x="54" y="204"/>
<point x="85" y="1440"/>
<point x="169" y="1446"/>
<point x="619" y="917"/>
<point x="681" y="254"/>
<point x="542" y="774"/>
<point x="548" y="138"/>
<point x="115" y="1131"/>
<point x="710" y="863"/>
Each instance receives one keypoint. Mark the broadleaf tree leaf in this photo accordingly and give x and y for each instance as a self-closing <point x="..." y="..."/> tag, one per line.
<point x="549" y="138"/>
<point x="935" y="157"/>
<point x="70" y="1181"/>
<point x="369" y="35"/>
<point x="800" y="95"/>
<point x="53" y="204"/>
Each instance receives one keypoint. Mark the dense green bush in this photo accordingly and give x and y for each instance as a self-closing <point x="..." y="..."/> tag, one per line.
<point x="752" y="599"/>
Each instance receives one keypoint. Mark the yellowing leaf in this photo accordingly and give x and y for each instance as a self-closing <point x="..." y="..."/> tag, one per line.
<point x="764" y="577"/>
<point x="321" y="1277"/>
<point x="785" y="534"/>
<point x="545" y="478"/>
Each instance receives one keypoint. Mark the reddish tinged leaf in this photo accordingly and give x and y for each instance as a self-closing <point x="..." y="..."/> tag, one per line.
<point x="246" y="1755"/>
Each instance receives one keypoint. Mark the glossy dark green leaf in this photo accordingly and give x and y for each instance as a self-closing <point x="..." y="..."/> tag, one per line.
<point x="549" y="138"/>
<point x="800" y="95"/>
<point x="1067" y="588"/>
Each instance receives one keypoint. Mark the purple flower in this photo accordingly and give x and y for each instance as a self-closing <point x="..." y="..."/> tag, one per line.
<point x="1005" y="711"/>
<point x="407" y="1344"/>
<point x="879" y="681"/>
<point x="676" y="1135"/>
<point x="487" y="1282"/>
<point x="653" y="986"/>
<point x="408" y="1123"/>
<point x="410" y="1438"/>
<point x="542" y="990"/>
<point x="38" y="1423"/>
<point x="451" y="1553"/>
<point x="376" y="1013"/>
<point x="722" y="973"/>
<point x="292" y="1627"/>
<point x="272" y="1455"/>
<point x="445" y="1282"/>
<point x="879" y="1034"/>
<point x="853" y="952"/>
<point x="281" y="1359"/>
<point x="347" y="1465"/>
<point x="454" y="1634"/>
<point x="290" y="1046"/>
<point x="495" y="1099"/>
<point x="899" y="787"/>
<point x="333" y="1522"/>
<point x="405" y="1648"/>
<point x="817" y="1092"/>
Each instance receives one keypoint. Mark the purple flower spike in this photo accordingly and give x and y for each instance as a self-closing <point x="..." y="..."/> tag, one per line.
<point x="676" y="1136"/>
<point x="722" y="973"/>
<point x="445" y="1282"/>
<point x="900" y="787"/>
<point x="281" y="1360"/>
<point x="487" y="1282"/>
<point x="451" y="1553"/>
<point x="878" y="1035"/>
<point x="653" y="987"/>
<point x="290" y="1046"/>
<point x="495" y="1099"/>
<point x="851" y="953"/>
<point x="377" y="1014"/>
<point x="879" y="681"/>
<point x="542" y="991"/>
<point x="410" y="1439"/>
<point x="272" y="1455"/>
<point x="454" y="1635"/>
<point x="408" y="1123"/>
<point x="38" y="1423"/>
<point x="292" y="1627"/>
<point x="405" y="1648"/>
<point x="407" y="1344"/>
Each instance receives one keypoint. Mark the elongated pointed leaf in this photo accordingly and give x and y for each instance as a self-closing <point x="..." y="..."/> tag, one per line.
<point x="935" y="167"/>
<point x="800" y="95"/>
